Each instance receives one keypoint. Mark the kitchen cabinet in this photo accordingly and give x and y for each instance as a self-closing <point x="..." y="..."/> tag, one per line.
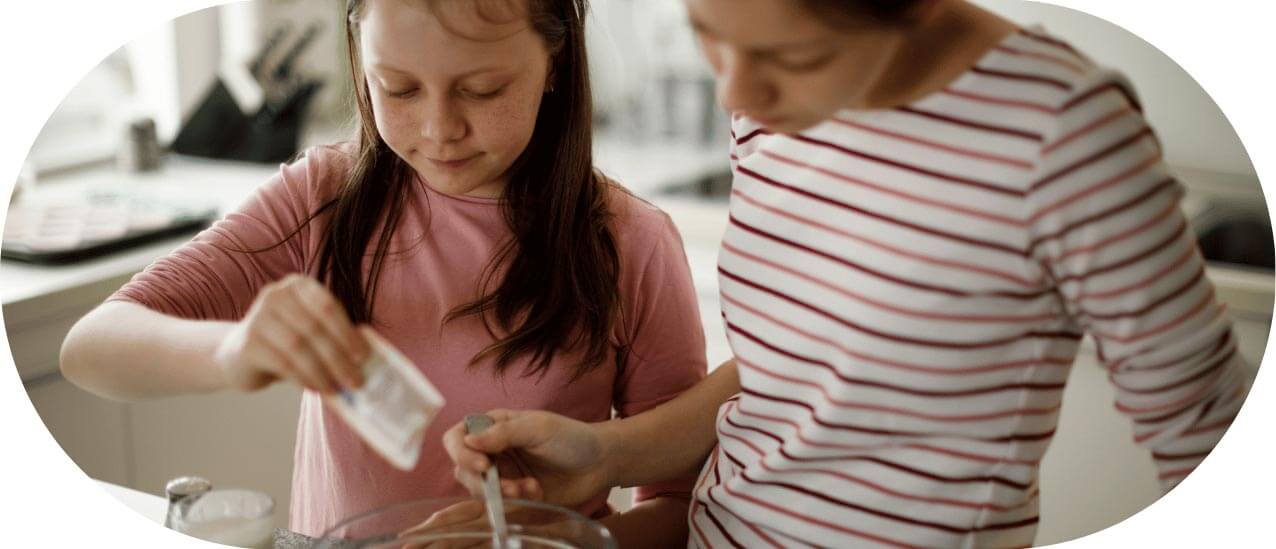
<point x="235" y="440"/>
<point x="93" y="431"/>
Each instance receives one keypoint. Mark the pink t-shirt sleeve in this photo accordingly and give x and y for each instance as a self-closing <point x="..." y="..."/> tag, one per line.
<point x="209" y="278"/>
<point x="666" y="339"/>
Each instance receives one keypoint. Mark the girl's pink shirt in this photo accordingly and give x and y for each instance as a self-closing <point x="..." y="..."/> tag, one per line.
<point x="438" y="258"/>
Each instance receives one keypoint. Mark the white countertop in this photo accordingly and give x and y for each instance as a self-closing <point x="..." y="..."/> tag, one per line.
<point x="225" y="184"/>
<point x="152" y="507"/>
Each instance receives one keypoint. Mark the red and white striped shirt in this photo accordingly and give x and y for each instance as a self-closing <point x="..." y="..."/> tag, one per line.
<point x="905" y="291"/>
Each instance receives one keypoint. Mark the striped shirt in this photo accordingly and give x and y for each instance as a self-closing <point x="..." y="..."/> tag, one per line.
<point x="905" y="292"/>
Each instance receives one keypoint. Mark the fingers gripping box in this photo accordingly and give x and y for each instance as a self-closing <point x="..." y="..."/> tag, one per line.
<point x="393" y="407"/>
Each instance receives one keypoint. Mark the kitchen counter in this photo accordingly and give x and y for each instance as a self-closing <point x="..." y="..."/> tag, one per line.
<point x="153" y="507"/>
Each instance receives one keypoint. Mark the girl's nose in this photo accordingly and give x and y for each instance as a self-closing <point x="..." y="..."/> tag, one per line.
<point x="442" y="123"/>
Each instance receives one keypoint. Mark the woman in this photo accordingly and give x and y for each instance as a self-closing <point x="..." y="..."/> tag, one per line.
<point x="930" y="208"/>
<point x="466" y="225"/>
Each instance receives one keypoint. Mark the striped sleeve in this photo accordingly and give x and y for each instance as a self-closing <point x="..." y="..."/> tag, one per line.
<point x="1106" y="224"/>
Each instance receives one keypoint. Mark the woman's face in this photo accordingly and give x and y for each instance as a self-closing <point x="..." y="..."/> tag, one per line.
<point x="456" y="97"/>
<point x="777" y="63"/>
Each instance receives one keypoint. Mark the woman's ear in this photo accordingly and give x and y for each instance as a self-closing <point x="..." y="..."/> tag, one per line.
<point x="549" y="78"/>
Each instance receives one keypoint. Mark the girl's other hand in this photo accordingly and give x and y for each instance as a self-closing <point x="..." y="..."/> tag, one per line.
<point x="294" y="330"/>
<point x="556" y="459"/>
<point x="467" y="516"/>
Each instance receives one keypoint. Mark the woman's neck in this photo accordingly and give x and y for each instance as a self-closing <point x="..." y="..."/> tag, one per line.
<point x="940" y="48"/>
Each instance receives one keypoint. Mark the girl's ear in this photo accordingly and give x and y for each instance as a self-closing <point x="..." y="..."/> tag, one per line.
<point x="549" y="79"/>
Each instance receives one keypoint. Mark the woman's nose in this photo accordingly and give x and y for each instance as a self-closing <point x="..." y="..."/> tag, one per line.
<point x="740" y="87"/>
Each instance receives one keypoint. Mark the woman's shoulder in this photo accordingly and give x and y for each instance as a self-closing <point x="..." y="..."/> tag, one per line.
<point x="1044" y="85"/>
<point x="1034" y="58"/>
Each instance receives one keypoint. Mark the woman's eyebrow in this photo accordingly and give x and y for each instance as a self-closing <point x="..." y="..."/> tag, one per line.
<point x="387" y="68"/>
<point x="766" y="49"/>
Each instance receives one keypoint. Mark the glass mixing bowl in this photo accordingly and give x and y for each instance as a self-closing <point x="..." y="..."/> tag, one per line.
<point x="462" y="522"/>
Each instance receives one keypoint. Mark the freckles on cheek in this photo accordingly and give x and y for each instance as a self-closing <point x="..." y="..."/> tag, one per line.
<point x="394" y="128"/>
<point x="512" y="122"/>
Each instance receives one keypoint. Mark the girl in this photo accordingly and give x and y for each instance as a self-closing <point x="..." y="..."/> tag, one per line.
<point x="465" y="224"/>
<point x="930" y="208"/>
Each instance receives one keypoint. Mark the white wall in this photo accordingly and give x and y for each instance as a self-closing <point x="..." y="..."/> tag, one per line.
<point x="1190" y="125"/>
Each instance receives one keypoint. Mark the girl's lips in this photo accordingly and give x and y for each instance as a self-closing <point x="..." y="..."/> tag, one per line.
<point x="452" y="164"/>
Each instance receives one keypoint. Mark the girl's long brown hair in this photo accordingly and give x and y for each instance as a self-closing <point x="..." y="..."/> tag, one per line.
<point x="558" y="274"/>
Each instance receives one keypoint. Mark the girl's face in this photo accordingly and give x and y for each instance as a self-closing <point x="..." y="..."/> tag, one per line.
<point x="777" y="63"/>
<point x="457" y="101"/>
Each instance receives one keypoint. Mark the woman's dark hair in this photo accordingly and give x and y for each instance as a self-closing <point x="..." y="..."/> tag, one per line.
<point x="886" y="11"/>
<point x="558" y="274"/>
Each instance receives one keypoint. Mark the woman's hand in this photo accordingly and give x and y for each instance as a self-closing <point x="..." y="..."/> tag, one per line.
<point x="294" y="330"/>
<point x="557" y="459"/>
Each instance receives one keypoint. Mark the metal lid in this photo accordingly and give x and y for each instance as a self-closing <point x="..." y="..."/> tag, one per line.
<point x="477" y="423"/>
<point x="183" y="487"/>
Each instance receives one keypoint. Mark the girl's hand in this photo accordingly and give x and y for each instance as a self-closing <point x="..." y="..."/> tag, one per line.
<point x="555" y="458"/>
<point x="467" y="516"/>
<point x="295" y="330"/>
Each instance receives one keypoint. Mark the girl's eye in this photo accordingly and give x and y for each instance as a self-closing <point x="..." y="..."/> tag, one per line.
<point x="480" y="94"/>
<point x="401" y="94"/>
